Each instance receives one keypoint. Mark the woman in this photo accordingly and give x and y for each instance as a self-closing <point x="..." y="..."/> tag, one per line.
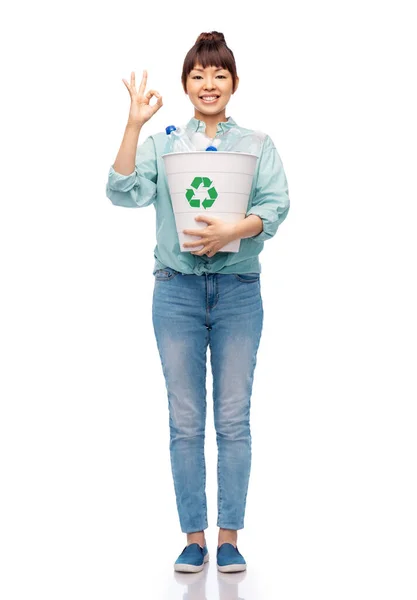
<point x="204" y="297"/>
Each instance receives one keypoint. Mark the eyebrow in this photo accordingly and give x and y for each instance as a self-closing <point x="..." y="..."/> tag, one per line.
<point x="219" y="69"/>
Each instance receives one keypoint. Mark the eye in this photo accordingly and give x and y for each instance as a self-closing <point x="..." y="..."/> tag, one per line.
<point x="195" y="76"/>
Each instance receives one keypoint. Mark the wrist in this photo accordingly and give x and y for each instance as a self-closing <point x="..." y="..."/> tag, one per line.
<point x="234" y="234"/>
<point x="248" y="227"/>
<point x="134" y="125"/>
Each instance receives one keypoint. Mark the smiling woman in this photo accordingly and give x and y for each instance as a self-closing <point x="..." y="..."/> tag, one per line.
<point x="210" y="49"/>
<point x="208" y="297"/>
<point x="209" y="77"/>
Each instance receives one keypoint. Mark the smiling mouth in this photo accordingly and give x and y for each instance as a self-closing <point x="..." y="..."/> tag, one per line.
<point x="210" y="99"/>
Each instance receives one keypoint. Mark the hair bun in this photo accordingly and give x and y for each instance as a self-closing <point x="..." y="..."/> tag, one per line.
<point x="212" y="36"/>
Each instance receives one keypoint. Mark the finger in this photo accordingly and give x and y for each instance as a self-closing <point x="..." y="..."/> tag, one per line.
<point x="132" y="81"/>
<point x="158" y="103"/>
<point x="156" y="107"/>
<point x="200" y="232"/>
<point x="151" y="93"/>
<point x="142" y="86"/>
<point x="201" y="251"/>
<point x="192" y="244"/>
<point x="127" y="85"/>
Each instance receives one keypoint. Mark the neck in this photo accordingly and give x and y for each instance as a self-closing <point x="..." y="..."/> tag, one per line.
<point x="211" y="121"/>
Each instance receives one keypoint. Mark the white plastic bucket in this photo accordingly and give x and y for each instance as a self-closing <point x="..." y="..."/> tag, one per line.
<point x="213" y="183"/>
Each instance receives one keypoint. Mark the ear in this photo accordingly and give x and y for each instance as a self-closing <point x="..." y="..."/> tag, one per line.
<point x="236" y="84"/>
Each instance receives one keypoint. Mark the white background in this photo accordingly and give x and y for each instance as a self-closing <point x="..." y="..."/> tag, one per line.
<point x="87" y="504"/>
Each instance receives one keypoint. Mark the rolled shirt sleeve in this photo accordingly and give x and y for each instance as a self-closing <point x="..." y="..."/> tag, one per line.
<point x="138" y="189"/>
<point x="270" y="199"/>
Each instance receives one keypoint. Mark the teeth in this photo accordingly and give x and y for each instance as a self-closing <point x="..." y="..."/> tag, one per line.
<point x="209" y="97"/>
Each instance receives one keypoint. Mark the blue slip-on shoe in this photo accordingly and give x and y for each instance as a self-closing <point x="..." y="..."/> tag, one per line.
<point x="192" y="558"/>
<point x="229" y="559"/>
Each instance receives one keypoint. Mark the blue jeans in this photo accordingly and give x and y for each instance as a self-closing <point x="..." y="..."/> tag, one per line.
<point x="190" y="312"/>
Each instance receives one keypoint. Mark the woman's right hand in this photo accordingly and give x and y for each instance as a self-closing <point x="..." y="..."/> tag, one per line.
<point x="140" y="109"/>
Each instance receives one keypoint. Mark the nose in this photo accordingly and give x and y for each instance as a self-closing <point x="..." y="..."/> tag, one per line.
<point x="209" y="85"/>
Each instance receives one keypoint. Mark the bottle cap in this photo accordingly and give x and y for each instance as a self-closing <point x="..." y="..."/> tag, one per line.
<point x="211" y="149"/>
<point x="169" y="129"/>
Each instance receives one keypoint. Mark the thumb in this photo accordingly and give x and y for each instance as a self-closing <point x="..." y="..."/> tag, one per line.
<point x="158" y="103"/>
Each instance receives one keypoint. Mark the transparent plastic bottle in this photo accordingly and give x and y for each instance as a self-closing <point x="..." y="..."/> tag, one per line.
<point x="179" y="140"/>
<point x="251" y="143"/>
<point x="201" y="142"/>
<point x="229" y="139"/>
<point x="236" y="141"/>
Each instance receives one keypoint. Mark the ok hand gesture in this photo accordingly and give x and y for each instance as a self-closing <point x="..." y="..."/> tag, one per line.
<point x="140" y="108"/>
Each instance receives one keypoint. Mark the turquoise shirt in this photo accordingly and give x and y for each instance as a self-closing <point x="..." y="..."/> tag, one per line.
<point x="148" y="185"/>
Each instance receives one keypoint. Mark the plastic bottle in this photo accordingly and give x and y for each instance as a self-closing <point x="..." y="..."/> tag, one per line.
<point x="235" y="141"/>
<point x="201" y="142"/>
<point x="179" y="140"/>
<point x="230" y="139"/>
<point x="251" y="143"/>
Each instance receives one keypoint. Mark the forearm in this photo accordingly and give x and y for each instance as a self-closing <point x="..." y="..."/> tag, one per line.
<point x="248" y="227"/>
<point x="125" y="160"/>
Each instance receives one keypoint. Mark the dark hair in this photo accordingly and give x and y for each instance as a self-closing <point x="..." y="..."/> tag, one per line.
<point x="209" y="50"/>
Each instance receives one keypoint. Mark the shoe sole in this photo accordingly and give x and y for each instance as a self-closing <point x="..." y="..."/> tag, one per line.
<point x="184" y="568"/>
<point x="231" y="568"/>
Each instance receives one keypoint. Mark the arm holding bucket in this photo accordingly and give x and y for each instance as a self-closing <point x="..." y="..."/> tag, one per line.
<point x="218" y="233"/>
<point x="248" y="227"/>
<point x="271" y="202"/>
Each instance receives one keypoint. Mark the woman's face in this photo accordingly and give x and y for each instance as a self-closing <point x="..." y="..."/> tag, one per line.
<point x="211" y="81"/>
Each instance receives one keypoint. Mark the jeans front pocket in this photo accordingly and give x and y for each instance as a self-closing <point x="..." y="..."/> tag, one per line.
<point x="247" y="277"/>
<point x="166" y="274"/>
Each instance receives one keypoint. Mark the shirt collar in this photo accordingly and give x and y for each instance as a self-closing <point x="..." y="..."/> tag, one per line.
<point x="197" y="125"/>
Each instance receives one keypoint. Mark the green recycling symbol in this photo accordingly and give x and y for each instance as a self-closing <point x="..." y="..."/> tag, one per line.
<point x="205" y="183"/>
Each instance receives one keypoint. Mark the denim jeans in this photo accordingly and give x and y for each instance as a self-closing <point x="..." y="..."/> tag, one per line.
<point x="190" y="312"/>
